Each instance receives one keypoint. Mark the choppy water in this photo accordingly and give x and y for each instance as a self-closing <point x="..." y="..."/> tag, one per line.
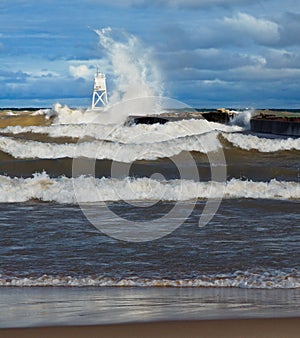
<point x="248" y="244"/>
<point x="46" y="240"/>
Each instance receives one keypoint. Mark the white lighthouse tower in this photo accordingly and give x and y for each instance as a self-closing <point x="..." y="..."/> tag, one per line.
<point x="99" y="100"/>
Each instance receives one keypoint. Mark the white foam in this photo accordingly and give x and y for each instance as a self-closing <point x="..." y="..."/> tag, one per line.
<point x="66" y="115"/>
<point x="110" y="150"/>
<point x="47" y="113"/>
<point x="141" y="133"/>
<point x="275" y="279"/>
<point x="96" y="131"/>
<point x="265" y="145"/>
<point x="10" y="113"/>
<point x="225" y="127"/>
<point x="61" y="190"/>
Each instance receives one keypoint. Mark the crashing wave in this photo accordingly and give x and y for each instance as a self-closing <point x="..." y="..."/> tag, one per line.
<point x="264" y="145"/>
<point x="61" y="190"/>
<point x="110" y="150"/>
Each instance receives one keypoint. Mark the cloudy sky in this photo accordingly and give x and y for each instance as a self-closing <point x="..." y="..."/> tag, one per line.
<point x="210" y="53"/>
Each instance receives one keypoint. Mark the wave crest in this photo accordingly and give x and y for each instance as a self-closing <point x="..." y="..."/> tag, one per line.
<point x="61" y="190"/>
<point x="110" y="150"/>
<point x="239" y="279"/>
<point x="264" y="145"/>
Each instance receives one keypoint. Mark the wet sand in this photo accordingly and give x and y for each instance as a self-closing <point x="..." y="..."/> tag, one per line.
<point x="24" y="120"/>
<point x="233" y="328"/>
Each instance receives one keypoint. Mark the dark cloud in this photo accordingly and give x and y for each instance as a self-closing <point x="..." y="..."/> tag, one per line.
<point x="282" y="58"/>
<point x="210" y="59"/>
<point x="13" y="77"/>
<point x="45" y="88"/>
<point x="290" y="29"/>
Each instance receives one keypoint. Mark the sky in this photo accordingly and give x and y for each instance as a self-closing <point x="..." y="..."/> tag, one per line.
<point x="209" y="53"/>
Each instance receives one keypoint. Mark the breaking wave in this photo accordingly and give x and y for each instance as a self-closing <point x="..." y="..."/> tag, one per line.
<point x="125" y="134"/>
<point x="110" y="150"/>
<point x="274" y="279"/>
<point x="61" y="190"/>
<point x="183" y="135"/>
<point x="264" y="145"/>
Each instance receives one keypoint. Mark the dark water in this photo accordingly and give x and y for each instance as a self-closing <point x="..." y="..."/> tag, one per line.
<point x="252" y="165"/>
<point x="250" y="243"/>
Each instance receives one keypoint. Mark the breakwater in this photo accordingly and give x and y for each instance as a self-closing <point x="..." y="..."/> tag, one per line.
<point x="220" y="115"/>
<point x="279" y="123"/>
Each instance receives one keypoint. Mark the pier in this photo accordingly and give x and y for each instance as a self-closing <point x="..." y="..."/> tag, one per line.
<point x="274" y="122"/>
<point x="220" y="115"/>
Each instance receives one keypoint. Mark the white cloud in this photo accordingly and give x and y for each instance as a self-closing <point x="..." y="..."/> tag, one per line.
<point x="260" y="30"/>
<point x="81" y="71"/>
<point x="214" y="82"/>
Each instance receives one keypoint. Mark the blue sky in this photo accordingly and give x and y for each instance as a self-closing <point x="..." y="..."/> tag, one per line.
<point x="210" y="53"/>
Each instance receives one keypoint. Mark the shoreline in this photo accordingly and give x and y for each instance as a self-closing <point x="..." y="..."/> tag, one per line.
<point x="68" y="307"/>
<point x="228" y="328"/>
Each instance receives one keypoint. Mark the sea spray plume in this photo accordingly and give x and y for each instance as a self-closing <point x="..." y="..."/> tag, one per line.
<point x="133" y="67"/>
<point x="134" y="74"/>
<point x="243" y="118"/>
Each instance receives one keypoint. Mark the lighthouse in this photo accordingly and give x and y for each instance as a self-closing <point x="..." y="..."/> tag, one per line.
<point x="99" y="100"/>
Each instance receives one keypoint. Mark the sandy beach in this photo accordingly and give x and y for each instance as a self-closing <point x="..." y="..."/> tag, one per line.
<point x="246" y="328"/>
